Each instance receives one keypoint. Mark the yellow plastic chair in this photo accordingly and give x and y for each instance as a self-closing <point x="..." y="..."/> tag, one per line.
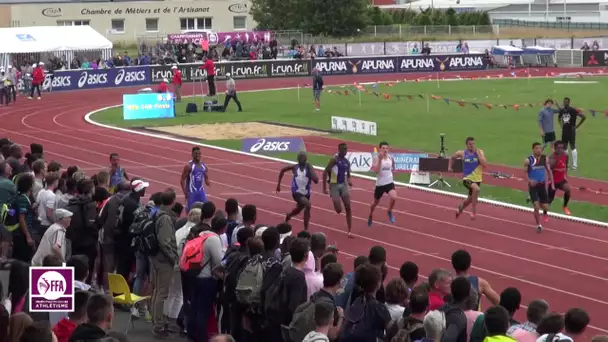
<point x="118" y="285"/>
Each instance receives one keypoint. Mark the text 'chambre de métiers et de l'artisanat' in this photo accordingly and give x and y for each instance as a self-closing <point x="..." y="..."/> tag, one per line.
<point x="134" y="10"/>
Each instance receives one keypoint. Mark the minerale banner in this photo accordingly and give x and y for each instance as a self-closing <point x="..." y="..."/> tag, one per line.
<point x="95" y="79"/>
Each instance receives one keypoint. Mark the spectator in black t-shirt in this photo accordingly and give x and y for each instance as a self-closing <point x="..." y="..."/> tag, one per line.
<point x="418" y="307"/>
<point x="232" y="211"/>
<point x="426" y="50"/>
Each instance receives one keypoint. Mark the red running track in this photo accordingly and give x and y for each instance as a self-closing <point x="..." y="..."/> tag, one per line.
<point x="564" y="264"/>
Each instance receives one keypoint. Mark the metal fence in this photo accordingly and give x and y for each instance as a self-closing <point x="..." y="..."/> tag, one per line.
<point x="431" y="30"/>
<point x="562" y="25"/>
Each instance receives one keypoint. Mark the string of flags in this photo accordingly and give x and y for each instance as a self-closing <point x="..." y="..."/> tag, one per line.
<point x="376" y="91"/>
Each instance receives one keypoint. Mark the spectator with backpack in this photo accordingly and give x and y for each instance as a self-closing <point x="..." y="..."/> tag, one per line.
<point x="304" y="318"/>
<point x="7" y="191"/>
<point x="83" y="230"/>
<point x="510" y="299"/>
<point x="162" y="259"/>
<point x="366" y="319"/>
<point x="344" y="298"/>
<point x="497" y="323"/>
<point x="23" y="233"/>
<point x="286" y="293"/>
<point x="110" y="217"/>
<point x="452" y="314"/>
<point x="411" y="328"/>
<point x="323" y="318"/>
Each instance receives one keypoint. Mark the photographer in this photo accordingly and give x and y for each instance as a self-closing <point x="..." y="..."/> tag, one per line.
<point x="231" y="93"/>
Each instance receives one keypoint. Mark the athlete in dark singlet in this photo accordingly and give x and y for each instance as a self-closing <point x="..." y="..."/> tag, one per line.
<point x="567" y="119"/>
<point x="337" y="175"/>
<point x="536" y="169"/>
<point x="558" y="161"/>
<point x="117" y="173"/>
<point x="303" y="175"/>
<point x="461" y="261"/>
<point x="194" y="174"/>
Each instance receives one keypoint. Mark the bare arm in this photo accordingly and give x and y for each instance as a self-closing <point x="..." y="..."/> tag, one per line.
<point x="457" y="155"/>
<point x="482" y="158"/>
<point x="376" y="164"/>
<point x="348" y="179"/>
<point x="281" y="173"/>
<point x="526" y="165"/>
<point x="548" y="168"/>
<point x="327" y="172"/>
<point x="184" y="179"/>
<point x="583" y="118"/>
<point x="486" y="289"/>
<point x="124" y="174"/>
<point x="206" y="175"/>
<point x="313" y="174"/>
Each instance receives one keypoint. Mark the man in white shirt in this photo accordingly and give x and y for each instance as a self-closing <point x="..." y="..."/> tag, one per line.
<point x="45" y="201"/>
<point x="53" y="240"/>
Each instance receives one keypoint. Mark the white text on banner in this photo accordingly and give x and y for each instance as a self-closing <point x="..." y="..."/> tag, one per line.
<point x="353" y="126"/>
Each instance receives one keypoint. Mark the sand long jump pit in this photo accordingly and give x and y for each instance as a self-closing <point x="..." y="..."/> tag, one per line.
<point x="236" y="131"/>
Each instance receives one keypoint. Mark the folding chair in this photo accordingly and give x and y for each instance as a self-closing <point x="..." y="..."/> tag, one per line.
<point x="118" y="285"/>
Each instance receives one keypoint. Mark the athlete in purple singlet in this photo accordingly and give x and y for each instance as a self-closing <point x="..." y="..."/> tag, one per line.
<point x="303" y="175"/>
<point x="194" y="178"/>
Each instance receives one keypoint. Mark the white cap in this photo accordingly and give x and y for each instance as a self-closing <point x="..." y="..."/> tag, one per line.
<point x="283" y="236"/>
<point x="165" y="80"/>
<point x="62" y="213"/>
<point x="10" y="66"/>
<point x="34" y="65"/>
<point x="174" y="67"/>
<point x="138" y="185"/>
<point x="40" y="63"/>
<point x="227" y="74"/>
<point x="260" y="231"/>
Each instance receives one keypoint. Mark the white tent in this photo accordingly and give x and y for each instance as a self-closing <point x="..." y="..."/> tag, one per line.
<point x="57" y="40"/>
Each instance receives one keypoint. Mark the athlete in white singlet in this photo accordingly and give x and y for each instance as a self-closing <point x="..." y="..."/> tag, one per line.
<point x="383" y="165"/>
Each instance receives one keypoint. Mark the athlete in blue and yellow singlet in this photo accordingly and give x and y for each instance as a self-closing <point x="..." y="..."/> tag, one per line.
<point x="536" y="168"/>
<point x="117" y="173"/>
<point x="194" y="178"/>
<point x="473" y="163"/>
<point x="337" y="175"/>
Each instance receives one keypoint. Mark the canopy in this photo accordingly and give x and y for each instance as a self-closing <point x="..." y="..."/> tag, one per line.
<point x="51" y="38"/>
<point x="538" y="50"/>
<point x="506" y="50"/>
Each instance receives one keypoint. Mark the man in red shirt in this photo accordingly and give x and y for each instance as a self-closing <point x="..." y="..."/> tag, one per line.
<point x="440" y="281"/>
<point x="209" y="67"/>
<point x="163" y="87"/>
<point x="558" y="162"/>
<point x="37" y="80"/>
<point x="177" y="82"/>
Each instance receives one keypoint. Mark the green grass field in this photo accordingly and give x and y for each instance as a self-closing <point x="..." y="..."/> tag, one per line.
<point x="505" y="135"/>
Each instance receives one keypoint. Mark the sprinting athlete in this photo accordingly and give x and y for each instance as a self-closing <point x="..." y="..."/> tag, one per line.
<point x="567" y="119"/>
<point x="558" y="161"/>
<point x="337" y="175"/>
<point x="193" y="176"/>
<point x="383" y="165"/>
<point x="537" y="167"/>
<point x="473" y="163"/>
<point x="303" y="175"/>
<point x="117" y="173"/>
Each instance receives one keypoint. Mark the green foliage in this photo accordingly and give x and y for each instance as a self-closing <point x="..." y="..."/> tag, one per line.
<point x="430" y="16"/>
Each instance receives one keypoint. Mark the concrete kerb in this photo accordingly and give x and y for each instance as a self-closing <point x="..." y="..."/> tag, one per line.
<point x="411" y="186"/>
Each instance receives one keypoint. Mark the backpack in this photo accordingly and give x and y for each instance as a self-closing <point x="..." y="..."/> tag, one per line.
<point x="303" y="321"/>
<point x="148" y="240"/>
<point x="9" y="213"/>
<point x="139" y="216"/>
<point x="447" y="315"/>
<point x="249" y="283"/>
<point x="357" y="325"/>
<point x="275" y="299"/>
<point x="405" y="331"/>
<point x="235" y="263"/>
<point x="191" y="261"/>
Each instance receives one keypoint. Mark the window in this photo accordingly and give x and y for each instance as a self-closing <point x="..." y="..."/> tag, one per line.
<point x="118" y="25"/>
<point x="188" y="24"/>
<point x="152" y="25"/>
<point x="239" y="22"/>
<point x="72" y="23"/>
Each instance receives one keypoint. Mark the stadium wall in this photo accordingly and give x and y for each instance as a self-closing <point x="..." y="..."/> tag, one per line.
<point x="126" y="21"/>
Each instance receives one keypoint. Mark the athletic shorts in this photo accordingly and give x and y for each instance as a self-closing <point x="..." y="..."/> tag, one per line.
<point x="467" y="184"/>
<point x="561" y="185"/>
<point x="297" y="196"/>
<point x="316" y="94"/>
<point x="569" y="138"/>
<point x="383" y="189"/>
<point x="338" y="190"/>
<point x="538" y="193"/>
<point x="194" y="197"/>
<point x="549" y="137"/>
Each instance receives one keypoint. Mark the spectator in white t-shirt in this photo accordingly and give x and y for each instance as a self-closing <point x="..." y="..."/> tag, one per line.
<point x="53" y="240"/>
<point x="45" y="201"/>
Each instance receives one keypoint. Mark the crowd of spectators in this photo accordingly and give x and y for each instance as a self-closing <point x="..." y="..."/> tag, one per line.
<point x="221" y="275"/>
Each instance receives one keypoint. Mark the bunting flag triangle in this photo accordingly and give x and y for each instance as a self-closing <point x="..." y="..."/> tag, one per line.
<point x="503" y="106"/>
<point x="376" y="94"/>
<point x="387" y="96"/>
<point x="338" y="92"/>
<point x="592" y="112"/>
<point x="435" y="97"/>
<point x="461" y="104"/>
<point x="516" y="106"/>
<point x="346" y="92"/>
<point x="475" y="105"/>
<point x="447" y="101"/>
<point x="398" y="97"/>
<point x="489" y="106"/>
<point x="421" y="96"/>
<point x="409" y="97"/>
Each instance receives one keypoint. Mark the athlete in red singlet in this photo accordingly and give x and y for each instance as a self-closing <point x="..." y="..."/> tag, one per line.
<point x="558" y="162"/>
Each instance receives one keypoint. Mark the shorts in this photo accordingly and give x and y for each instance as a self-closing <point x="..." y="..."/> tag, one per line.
<point x="549" y="137"/>
<point x="538" y="193"/>
<point x="569" y="138"/>
<point x="297" y="196"/>
<point x="467" y="184"/>
<point x="5" y="235"/>
<point x="383" y="189"/>
<point x="338" y="190"/>
<point x="194" y="197"/>
<point x="561" y="185"/>
<point x="316" y="94"/>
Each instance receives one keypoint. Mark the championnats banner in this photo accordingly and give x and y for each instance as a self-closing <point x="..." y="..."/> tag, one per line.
<point x="154" y="74"/>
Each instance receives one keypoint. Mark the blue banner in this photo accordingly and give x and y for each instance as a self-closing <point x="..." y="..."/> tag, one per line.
<point x="273" y="145"/>
<point x="407" y="161"/>
<point x="148" y="106"/>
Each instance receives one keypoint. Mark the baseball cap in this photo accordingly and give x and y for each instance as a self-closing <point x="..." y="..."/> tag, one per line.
<point x="138" y="185"/>
<point x="174" y="67"/>
<point x="62" y="213"/>
<point x="227" y="74"/>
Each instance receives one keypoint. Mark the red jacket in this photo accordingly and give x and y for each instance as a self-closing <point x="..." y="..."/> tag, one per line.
<point x="163" y="88"/>
<point x="209" y="66"/>
<point x="38" y="76"/>
<point x="64" y="329"/>
<point x="177" y="78"/>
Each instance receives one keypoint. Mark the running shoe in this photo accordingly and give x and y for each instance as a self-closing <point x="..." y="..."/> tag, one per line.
<point x="567" y="211"/>
<point x="545" y="218"/>
<point x="473" y="216"/>
<point x="369" y="221"/>
<point x="391" y="217"/>
<point x="459" y="211"/>
<point x="539" y="229"/>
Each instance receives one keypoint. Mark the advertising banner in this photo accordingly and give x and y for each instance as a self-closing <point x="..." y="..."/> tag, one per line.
<point x="340" y="124"/>
<point x="219" y="37"/>
<point x="595" y="58"/>
<point x="148" y="106"/>
<point x="406" y="162"/>
<point x="273" y="145"/>
<point x="360" y="161"/>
